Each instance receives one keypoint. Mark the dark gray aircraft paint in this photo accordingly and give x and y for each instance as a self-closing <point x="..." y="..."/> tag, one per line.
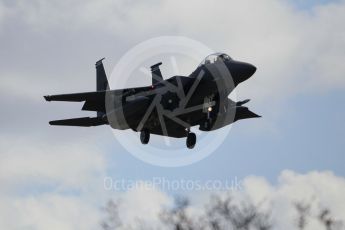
<point x="167" y="107"/>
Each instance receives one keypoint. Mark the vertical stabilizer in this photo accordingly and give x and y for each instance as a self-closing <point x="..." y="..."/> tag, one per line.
<point x="156" y="73"/>
<point x="101" y="77"/>
<point x="101" y="81"/>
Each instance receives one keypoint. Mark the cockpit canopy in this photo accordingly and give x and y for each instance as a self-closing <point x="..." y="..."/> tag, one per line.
<point x="216" y="57"/>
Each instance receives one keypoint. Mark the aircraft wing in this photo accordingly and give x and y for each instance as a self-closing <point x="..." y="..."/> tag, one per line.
<point x="82" y="121"/>
<point x="77" y="96"/>
<point x="94" y="101"/>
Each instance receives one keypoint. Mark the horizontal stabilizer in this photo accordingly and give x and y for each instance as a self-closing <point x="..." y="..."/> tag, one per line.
<point x="244" y="113"/>
<point x="240" y="103"/>
<point x="82" y="121"/>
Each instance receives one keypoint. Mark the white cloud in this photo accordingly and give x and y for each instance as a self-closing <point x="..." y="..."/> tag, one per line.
<point x="44" y="185"/>
<point x="320" y="189"/>
<point x="26" y="161"/>
<point x="295" y="51"/>
<point x="48" y="211"/>
<point x="144" y="203"/>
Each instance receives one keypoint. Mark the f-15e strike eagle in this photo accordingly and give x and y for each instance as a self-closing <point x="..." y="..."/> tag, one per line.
<point x="167" y="107"/>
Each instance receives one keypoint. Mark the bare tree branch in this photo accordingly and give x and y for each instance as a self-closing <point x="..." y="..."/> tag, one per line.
<point x="303" y="211"/>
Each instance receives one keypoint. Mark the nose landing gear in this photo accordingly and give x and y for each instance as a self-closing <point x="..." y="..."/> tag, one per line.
<point x="144" y="136"/>
<point x="191" y="140"/>
<point x="208" y="121"/>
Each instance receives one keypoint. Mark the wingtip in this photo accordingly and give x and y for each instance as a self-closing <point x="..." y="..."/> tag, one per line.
<point x="255" y="115"/>
<point x="47" y="98"/>
<point x="99" y="61"/>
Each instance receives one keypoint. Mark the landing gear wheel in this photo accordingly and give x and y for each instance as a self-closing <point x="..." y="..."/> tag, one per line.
<point x="191" y="140"/>
<point x="144" y="136"/>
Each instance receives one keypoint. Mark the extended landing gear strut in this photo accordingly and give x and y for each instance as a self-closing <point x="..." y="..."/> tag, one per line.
<point x="208" y="122"/>
<point x="191" y="140"/>
<point x="144" y="136"/>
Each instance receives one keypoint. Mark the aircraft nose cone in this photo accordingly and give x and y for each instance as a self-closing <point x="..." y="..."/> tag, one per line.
<point x="250" y="69"/>
<point x="241" y="71"/>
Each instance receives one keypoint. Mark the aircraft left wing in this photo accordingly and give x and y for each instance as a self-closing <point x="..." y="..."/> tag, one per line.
<point x="82" y="121"/>
<point x="98" y="95"/>
<point x="94" y="101"/>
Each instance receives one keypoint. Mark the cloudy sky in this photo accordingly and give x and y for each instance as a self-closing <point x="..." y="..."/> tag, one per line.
<point x="295" y="151"/>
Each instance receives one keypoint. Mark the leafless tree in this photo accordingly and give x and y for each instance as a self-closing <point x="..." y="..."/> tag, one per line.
<point x="112" y="220"/>
<point x="303" y="211"/>
<point x="221" y="213"/>
<point x="225" y="214"/>
<point x="177" y="217"/>
<point x="328" y="221"/>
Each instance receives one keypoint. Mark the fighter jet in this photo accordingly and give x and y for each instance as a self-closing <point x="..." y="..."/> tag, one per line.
<point x="168" y="107"/>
